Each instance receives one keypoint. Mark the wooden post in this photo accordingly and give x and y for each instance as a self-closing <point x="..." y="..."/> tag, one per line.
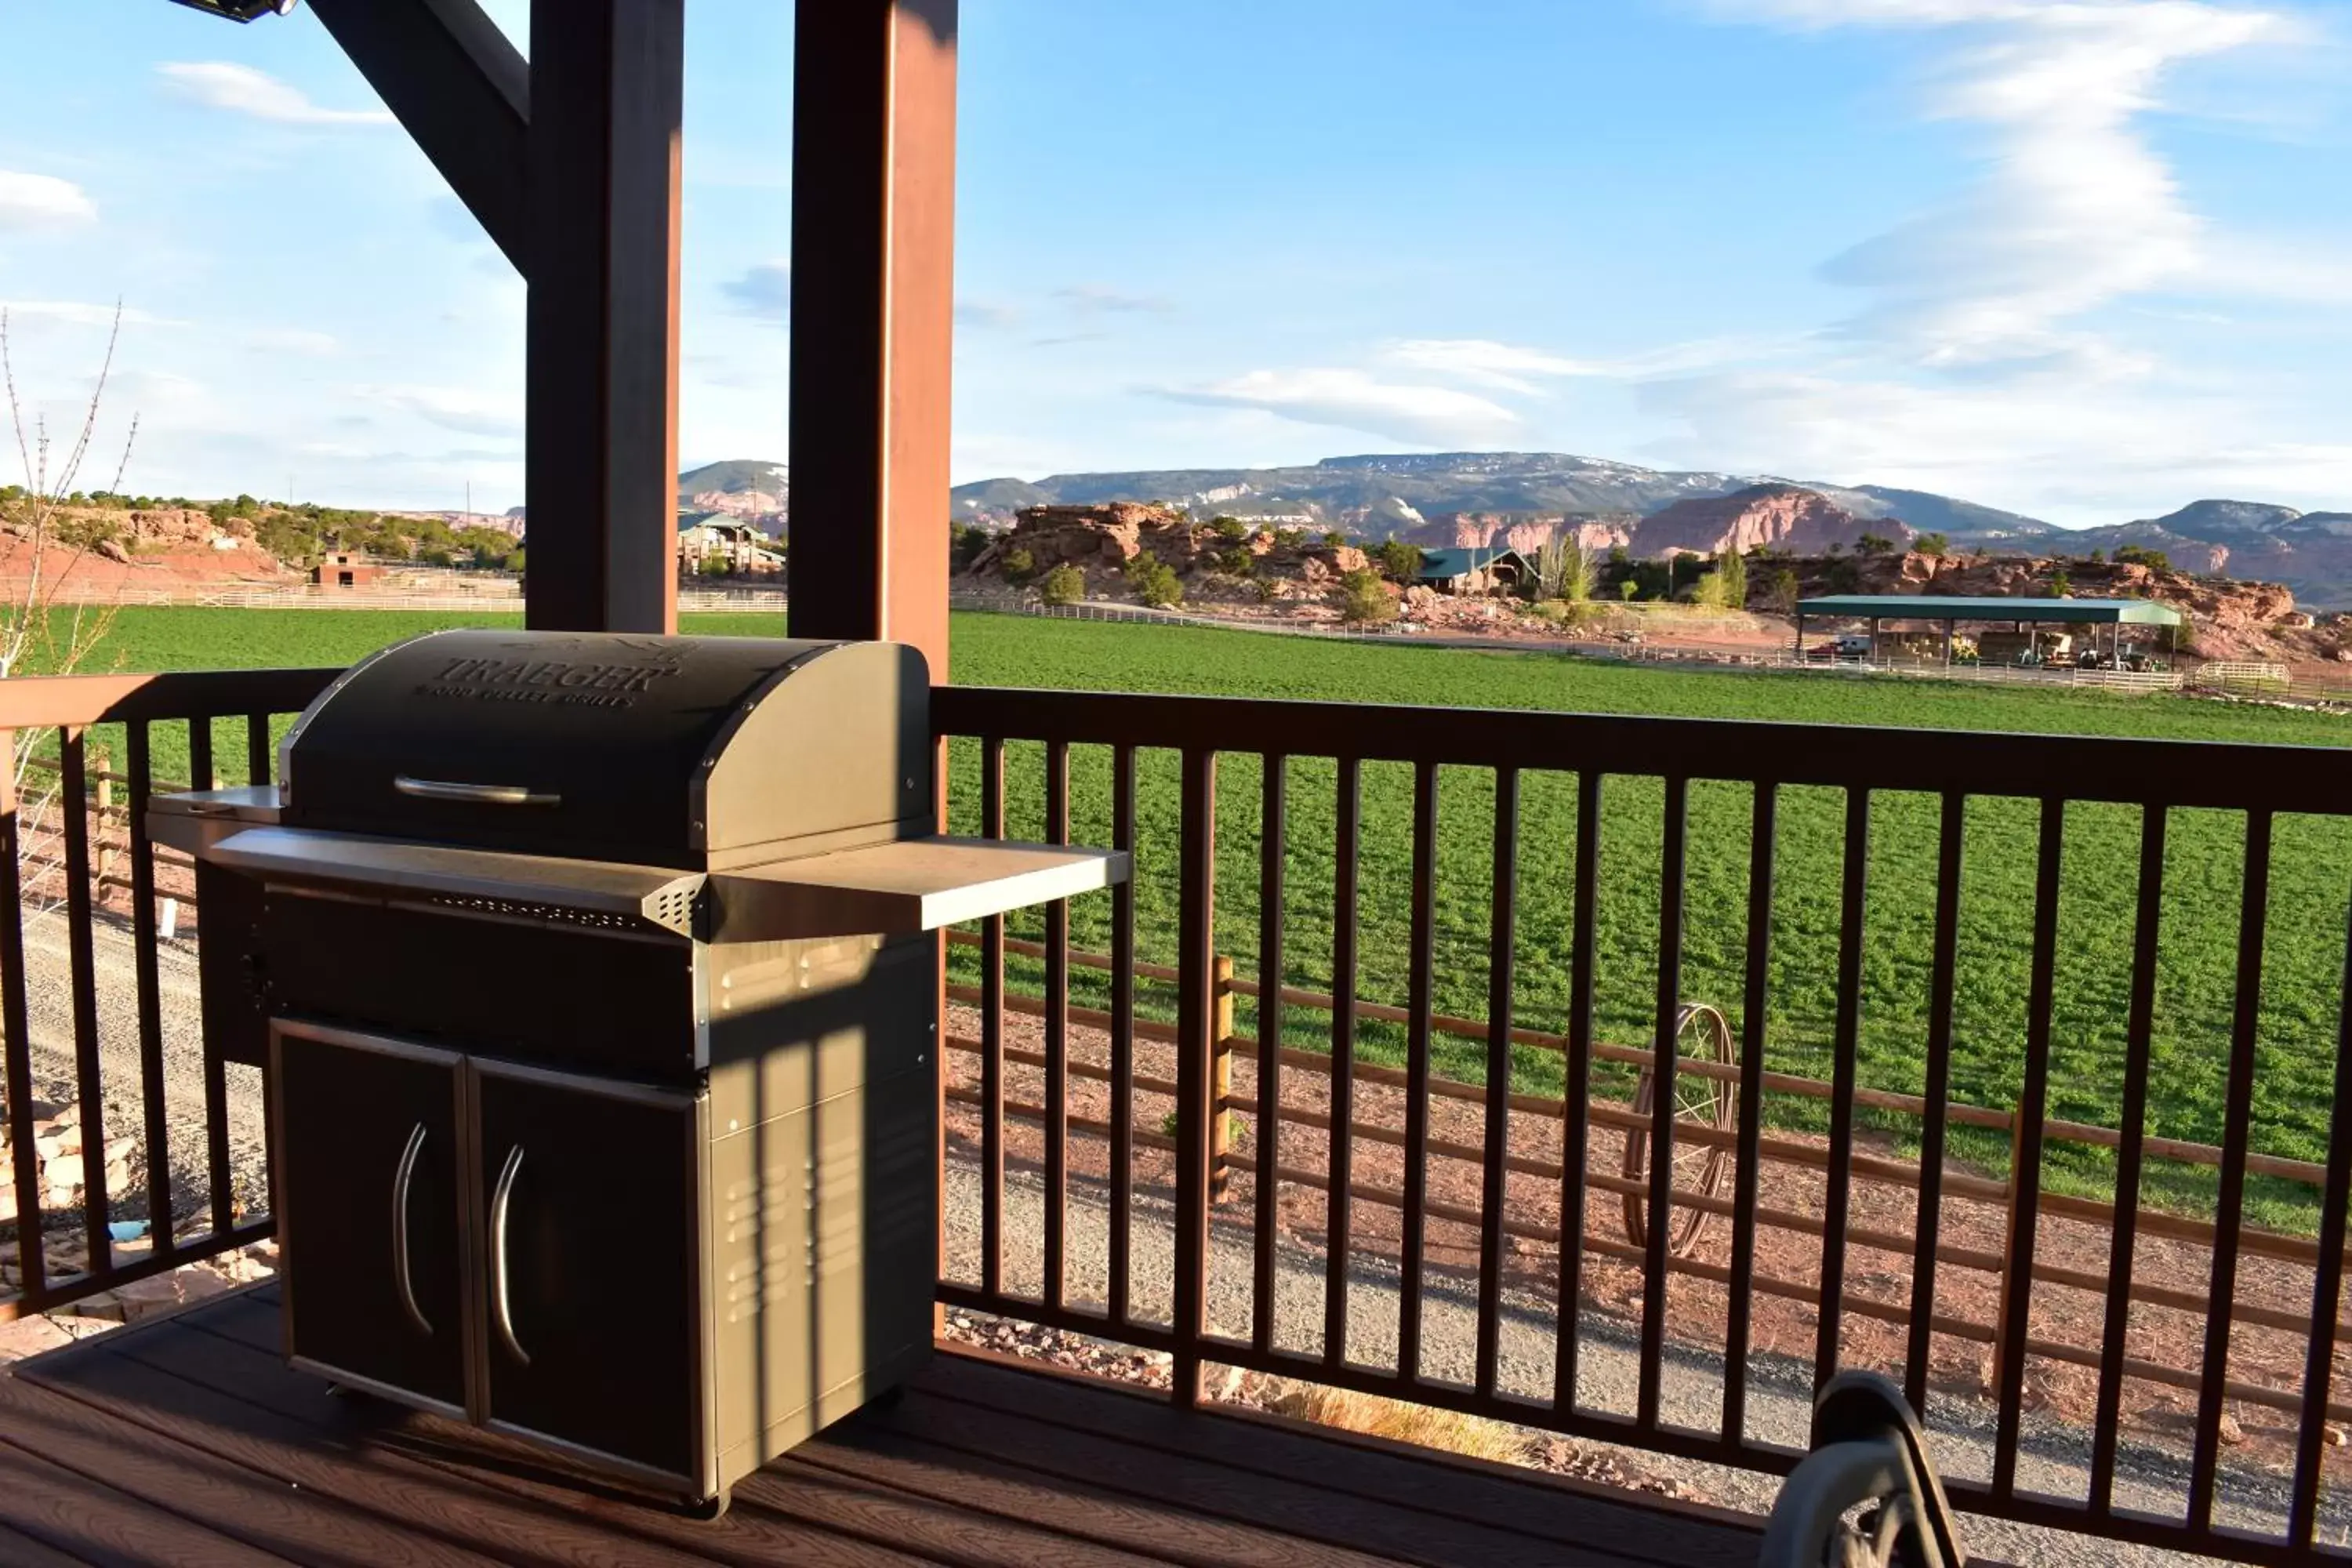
<point x="600" y="442"/>
<point x="874" y="85"/>
<point x="1221" y="1088"/>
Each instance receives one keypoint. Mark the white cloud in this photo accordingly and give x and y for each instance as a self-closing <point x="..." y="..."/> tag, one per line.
<point x="2077" y="209"/>
<point x="466" y="410"/>
<point x="80" y="313"/>
<point x="1098" y="298"/>
<point x="764" y="290"/>
<point x="1508" y="367"/>
<point x="42" y="200"/>
<point x="1356" y="400"/>
<point x="241" y="89"/>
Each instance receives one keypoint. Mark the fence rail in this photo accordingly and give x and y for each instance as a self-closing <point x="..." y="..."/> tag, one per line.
<point x="73" y="705"/>
<point x="2258" y="783"/>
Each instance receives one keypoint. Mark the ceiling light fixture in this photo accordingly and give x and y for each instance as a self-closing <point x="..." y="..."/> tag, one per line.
<point x="239" y="10"/>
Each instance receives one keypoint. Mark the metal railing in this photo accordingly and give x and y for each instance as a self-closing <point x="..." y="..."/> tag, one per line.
<point x="1091" y="750"/>
<point x="141" y="708"/>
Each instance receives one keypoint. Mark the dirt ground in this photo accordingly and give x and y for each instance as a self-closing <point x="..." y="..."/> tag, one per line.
<point x="1966" y="1282"/>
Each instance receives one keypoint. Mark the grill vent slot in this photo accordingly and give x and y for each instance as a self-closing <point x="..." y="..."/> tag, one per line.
<point x="539" y="914"/>
<point x="676" y="909"/>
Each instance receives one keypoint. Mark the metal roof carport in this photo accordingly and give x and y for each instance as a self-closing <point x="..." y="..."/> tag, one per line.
<point x="2113" y="614"/>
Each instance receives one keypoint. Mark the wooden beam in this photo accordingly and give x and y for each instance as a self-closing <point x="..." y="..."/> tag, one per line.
<point x="601" y="432"/>
<point x="873" y="320"/>
<point x="459" y="87"/>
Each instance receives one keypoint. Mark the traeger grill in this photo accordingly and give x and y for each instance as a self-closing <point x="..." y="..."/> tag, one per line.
<point x="601" y="1031"/>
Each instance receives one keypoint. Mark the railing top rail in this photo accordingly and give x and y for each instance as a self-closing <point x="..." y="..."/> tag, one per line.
<point x="40" y="701"/>
<point x="2234" y="776"/>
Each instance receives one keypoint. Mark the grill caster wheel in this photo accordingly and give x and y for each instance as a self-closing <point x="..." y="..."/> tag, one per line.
<point x="709" y="1511"/>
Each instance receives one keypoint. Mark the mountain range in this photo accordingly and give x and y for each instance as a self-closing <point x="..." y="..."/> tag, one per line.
<point x="1432" y="498"/>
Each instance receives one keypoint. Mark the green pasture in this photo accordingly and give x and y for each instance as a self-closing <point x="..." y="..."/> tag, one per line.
<point x="2303" y="946"/>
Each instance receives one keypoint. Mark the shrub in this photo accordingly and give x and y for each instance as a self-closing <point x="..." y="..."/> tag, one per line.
<point x="1335" y="539"/>
<point x="1154" y="580"/>
<point x="1934" y="544"/>
<point x="1733" y="570"/>
<point x="2141" y="556"/>
<point x="1364" y="598"/>
<point x="1781" y="592"/>
<point x="1019" y="565"/>
<point x="1238" y="561"/>
<point x="1627" y="589"/>
<point x="1065" y="584"/>
<point x="1290" y="538"/>
<point x="1873" y="544"/>
<point x="1231" y="528"/>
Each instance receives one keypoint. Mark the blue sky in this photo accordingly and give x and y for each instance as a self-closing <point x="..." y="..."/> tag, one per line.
<point x="2085" y="259"/>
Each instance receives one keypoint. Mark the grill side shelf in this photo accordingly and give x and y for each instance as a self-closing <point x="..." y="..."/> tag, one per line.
<point x="899" y="889"/>
<point x="605" y="892"/>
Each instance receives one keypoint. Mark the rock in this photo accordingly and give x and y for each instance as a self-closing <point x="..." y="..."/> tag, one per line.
<point x="32" y="1336"/>
<point x="2335" y="1436"/>
<point x="2231" y="1433"/>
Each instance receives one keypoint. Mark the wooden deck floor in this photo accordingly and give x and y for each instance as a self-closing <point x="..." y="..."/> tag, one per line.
<point x="187" y="1441"/>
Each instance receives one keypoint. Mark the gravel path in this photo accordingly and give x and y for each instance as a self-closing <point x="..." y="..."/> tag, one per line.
<point x="49" y="993"/>
<point x="2054" y="1457"/>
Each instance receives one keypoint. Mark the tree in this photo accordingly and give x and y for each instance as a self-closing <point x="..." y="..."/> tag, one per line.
<point x="1019" y="565"/>
<point x="1230" y="528"/>
<point x="1873" y="544"/>
<point x="1364" y="599"/>
<point x="1563" y="570"/>
<point x="1732" y="568"/>
<point x="1237" y="561"/>
<point x="2141" y="555"/>
<point x="1932" y="545"/>
<point x="1781" y="592"/>
<point x="1065" y="584"/>
<point x="1399" y="561"/>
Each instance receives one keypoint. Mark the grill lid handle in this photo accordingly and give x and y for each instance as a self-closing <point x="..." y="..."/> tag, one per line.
<point x="473" y="793"/>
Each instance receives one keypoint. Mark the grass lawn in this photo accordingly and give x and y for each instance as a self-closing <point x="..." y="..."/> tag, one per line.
<point x="2304" y="945"/>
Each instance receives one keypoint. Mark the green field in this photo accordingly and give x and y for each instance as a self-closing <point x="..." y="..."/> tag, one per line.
<point x="2305" y="942"/>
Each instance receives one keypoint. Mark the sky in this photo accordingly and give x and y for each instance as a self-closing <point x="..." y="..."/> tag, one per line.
<point x="2085" y="259"/>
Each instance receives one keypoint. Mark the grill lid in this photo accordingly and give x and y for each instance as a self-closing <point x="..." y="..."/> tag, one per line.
<point x="685" y="751"/>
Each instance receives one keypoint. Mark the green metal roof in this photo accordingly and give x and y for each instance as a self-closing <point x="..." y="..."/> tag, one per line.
<point x="1934" y="607"/>
<point x="1449" y="564"/>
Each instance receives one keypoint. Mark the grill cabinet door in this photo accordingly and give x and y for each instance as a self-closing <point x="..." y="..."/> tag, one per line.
<point x="369" y="1213"/>
<point x="590" y="1203"/>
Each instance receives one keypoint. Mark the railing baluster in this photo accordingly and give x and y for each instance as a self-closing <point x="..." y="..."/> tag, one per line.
<point x="218" y="1174"/>
<point x="1942" y="981"/>
<point x="1057" y="1038"/>
<point x="90" y="1065"/>
<point x="2228" y="1210"/>
<point x="1416" y="1071"/>
<point x="1122" y="1038"/>
<point x="2025" y="1177"/>
<point x="2326" y="1287"/>
<point x="2123" y="1232"/>
<point x="1838" y="1194"/>
<point x="992" y="1038"/>
<point x="1195" y="1010"/>
<point x="151" y="992"/>
<point x="200" y="753"/>
<point x="1274" y="824"/>
<point x="256" y="748"/>
<point x="1756" y="1003"/>
<point x="1494" y="1187"/>
<point x="1340" y="1161"/>
<point x="15" y="1019"/>
<point x="1574" y="1109"/>
<point x="1662" y="1090"/>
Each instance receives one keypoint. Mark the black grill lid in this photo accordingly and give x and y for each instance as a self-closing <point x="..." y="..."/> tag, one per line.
<point x="687" y="752"/>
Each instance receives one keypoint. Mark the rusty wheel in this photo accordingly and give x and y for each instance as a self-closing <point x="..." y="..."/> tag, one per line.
<point x="1701" y="1169"/>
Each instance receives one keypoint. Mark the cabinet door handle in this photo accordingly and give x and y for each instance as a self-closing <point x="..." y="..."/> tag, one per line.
<point x="501" y="1200"/>
<point x="401" y="1179"/>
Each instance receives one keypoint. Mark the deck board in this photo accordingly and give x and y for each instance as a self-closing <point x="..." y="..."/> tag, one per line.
<point x="187" y="1440"/>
